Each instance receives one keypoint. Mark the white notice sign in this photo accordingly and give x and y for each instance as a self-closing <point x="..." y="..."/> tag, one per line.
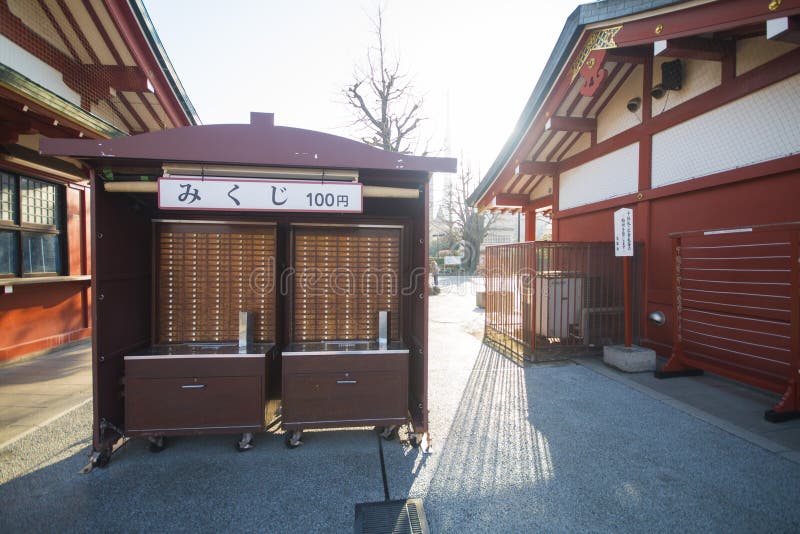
<point x="254" y="194"/>
<point x="623" y="232"/>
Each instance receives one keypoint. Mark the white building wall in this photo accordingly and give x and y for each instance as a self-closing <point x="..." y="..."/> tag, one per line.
<point x="752" y="53"/>
<point x="613" y="175"/>
<point x="544" y="188"/>
<point x="616" y="118"/>
<point x="36" y="70"/>
<point x="759" y="127"/>
<point x="583" y="142"/>
<point x="698" y="77"/>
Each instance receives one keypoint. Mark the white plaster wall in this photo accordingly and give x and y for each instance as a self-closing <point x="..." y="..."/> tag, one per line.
<point x="584" y="142"/>
<point x="609" y="176"/>
<point x="616" y="118"/>
<point x="544" y="188"/>
<point x="36" y="70"/>
<point x="752" y="53"/>
<point x="698" y="77"/>
<point x="759" y="127"/>
<point x="104" y="111"/>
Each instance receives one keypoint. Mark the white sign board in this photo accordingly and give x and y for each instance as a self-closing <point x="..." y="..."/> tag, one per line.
<point x="254" y="194"/>
<point x="452" y="260"/>
<point x="623" y="232"/>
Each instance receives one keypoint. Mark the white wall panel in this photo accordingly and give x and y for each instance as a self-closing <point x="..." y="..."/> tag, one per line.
<point x="698" y="77"/>
<point x="35" y="70"/>
<point x="759" y="127"/>
<point x="616" y="118"/>
<point x="544" y="188"/>
<point x="584" y="142"/>
<point x="752" y="53"/>
<point x="609" y="176"/>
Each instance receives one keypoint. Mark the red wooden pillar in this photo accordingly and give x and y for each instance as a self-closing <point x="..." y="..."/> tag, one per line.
<point x="675" y="362"/>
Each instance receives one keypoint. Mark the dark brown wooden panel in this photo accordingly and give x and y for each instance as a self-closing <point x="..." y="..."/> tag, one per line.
<point x="157" y="404"/>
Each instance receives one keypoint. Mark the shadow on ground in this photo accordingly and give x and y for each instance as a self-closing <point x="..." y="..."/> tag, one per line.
<point x="557" y="447"/>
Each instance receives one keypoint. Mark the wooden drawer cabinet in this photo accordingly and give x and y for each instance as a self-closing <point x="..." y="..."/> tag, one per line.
<point x="344" y="390"/>
<point x="169" y="394"/>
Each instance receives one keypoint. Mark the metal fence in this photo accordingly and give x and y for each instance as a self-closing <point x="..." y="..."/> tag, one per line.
<point x="547" y="300"/>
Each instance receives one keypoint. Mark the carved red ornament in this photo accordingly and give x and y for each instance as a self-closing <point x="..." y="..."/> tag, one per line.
<point x="593" y="72"/>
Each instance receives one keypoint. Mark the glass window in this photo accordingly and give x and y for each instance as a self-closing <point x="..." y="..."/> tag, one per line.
<point x="40" y="253"/>
<point x="39" y="202"/>
<point x="8" y="198"/>
<point x="30" y="226"/>
<point x="9" y="253"/>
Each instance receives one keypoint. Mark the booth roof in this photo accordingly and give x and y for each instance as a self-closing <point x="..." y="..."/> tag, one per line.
<point x="257" y="143"/>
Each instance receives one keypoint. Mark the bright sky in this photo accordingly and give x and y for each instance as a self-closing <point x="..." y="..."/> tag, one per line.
<point x="293" y="58"/>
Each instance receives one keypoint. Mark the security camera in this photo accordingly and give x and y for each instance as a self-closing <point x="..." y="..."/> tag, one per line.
<point x="634" y="103"/>
<point x="658" y="91"/>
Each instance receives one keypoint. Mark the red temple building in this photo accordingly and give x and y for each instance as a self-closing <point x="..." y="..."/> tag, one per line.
<point x="69" y="69"/>
<point x="688" y="113"/>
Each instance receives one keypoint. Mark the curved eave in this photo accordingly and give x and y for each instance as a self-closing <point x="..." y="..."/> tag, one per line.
<point x="259" y="143"/>
<point x="160" y="54"/>
<point x="574" y="27"/>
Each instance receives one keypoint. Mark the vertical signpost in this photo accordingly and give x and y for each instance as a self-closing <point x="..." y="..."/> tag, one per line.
<point x="623" y="246"/>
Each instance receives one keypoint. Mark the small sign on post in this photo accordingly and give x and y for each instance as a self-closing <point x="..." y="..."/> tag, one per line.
<point x="623" y="246"/>
<point x="623" y="232"/>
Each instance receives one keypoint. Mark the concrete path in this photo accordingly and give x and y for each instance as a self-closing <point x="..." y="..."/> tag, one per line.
<point x="38" y="390"/>
<point x="549" y="447"/>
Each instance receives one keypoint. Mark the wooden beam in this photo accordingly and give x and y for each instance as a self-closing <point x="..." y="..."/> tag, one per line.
<point x="536" y="168"/>
<point x="131" y="187"/>
<point x="571" y="124"/>
<point x="507" y="200"/>
<point x="540" y="203"/>
<point x="786" y="29"/>
<point x="694" y="48"/>
<point x="632" y="54"/>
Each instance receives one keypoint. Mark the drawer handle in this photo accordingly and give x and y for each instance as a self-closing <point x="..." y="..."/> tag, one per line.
<point x="193" y="386"/>
<point x="347" y="381"/>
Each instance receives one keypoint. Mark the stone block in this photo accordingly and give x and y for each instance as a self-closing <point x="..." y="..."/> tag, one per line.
<point x="633" y="359"/>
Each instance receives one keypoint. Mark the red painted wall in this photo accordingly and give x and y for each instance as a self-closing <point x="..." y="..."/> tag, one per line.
<point x="766" y="200"/>
<point x="38" y="317"/>
<point x="41" y="316"/>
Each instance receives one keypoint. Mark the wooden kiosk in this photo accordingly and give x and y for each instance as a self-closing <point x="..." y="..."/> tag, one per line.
<point x="234" y="264"/>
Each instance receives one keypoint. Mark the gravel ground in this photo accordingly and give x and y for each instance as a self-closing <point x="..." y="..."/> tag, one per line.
<point x="551" y="447"/>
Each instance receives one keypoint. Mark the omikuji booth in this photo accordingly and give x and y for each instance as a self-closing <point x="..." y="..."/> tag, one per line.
<point x="250" y="276"/>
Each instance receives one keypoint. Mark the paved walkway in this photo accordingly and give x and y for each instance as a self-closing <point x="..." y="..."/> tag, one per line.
<point x="38" y="390"/>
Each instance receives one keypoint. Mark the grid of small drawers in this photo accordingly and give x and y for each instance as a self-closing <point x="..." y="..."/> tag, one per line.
<point x="343" y="278"/>
<point x="206" y="278"/>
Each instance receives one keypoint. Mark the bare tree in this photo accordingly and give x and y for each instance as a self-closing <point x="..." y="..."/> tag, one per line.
<point x="383" y="99"/>
<point x="471" y="225"/>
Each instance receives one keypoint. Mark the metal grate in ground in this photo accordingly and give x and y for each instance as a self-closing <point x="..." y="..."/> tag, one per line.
<point x="391" y="517"/>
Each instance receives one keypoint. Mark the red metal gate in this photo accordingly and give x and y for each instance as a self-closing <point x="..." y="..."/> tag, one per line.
<point x="736" y="307"/>
<point x="550" y="300"/>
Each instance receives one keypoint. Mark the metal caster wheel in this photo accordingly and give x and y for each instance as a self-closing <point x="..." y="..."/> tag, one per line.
<point x="390" y="433"/>
<point x="157" y="444"/>
<point x="96" y="459"/>
<point x="293" y="439"/>
<point x="420" y="441"/>
<point x="101" y="459"/>
<point x="246" y="443"/>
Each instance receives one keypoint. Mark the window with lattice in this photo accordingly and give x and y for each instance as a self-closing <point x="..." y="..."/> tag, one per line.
<point x="207" y="274"/>
<point x="343" y="277"/>
<point x="31" y="227"/>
